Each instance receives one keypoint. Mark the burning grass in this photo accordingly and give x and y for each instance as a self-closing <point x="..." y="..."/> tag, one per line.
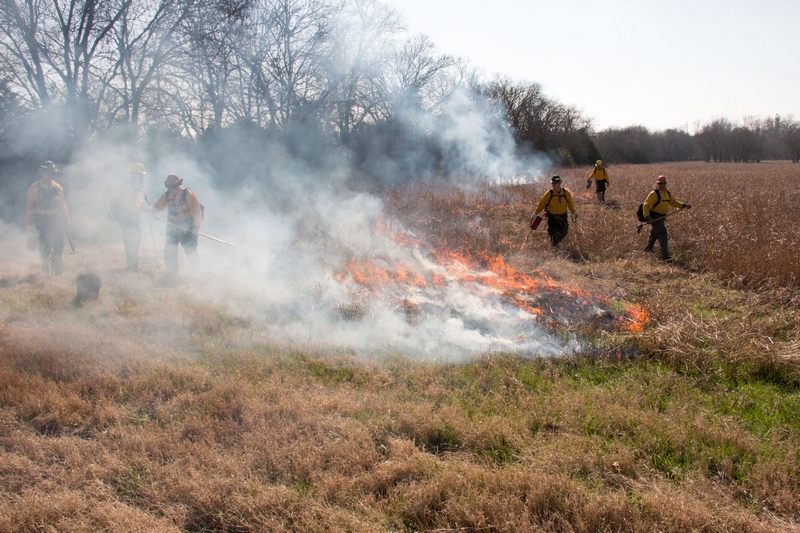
<point x="155" y="409"/>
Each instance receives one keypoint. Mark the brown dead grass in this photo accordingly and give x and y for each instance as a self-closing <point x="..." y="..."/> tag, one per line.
<point x="406" y="447"/>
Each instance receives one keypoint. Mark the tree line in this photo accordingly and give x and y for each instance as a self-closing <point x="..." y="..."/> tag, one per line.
<point x="309" y="76"/>
<point x="329" y="73"/>
<point x="719" y="140"/>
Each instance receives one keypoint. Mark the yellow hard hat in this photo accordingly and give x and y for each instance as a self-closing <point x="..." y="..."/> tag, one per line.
<point x="137" y="168"/>
<point x="599" y="163"/>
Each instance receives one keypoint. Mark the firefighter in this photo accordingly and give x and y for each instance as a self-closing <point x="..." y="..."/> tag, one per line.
<point x="654" y="209"/>
<point x="129" y="203"/>
<point x="600" y="175"/>
<point x="185" y="215"/>
<point x="46" y="211"/>
<point x="555" y="203"/>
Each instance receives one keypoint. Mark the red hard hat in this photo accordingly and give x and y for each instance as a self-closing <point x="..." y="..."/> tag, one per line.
<point x="172" y="180"/>
<point x="661" y="179"/>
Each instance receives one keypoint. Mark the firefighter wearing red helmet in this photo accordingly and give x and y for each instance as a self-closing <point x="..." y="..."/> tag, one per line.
<point x="46" y="212"/>
<point x="555" y="203"/>
<point x="655" y="209"/>
<point x="185" y="215"/>
<point x="600" y="176"/>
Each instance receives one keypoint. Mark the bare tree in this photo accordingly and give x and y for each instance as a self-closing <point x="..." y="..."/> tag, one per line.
<point x="147" y="39"/>
<point x="420" y="77"/>
<point x="789" y="134"/>
<point x="213" y="31"/>
<point x="23" y="58"/>
<point x="62" y="49"/>
<point x="287" y="46"/>
<point x="364" y="41"/>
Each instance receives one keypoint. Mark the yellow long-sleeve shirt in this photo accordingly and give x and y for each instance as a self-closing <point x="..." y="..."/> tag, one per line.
<point x="45" y="200"/>
<point x="559" y="203"/>
<point x="658" y="203"/>
<point x="180" y="210"/>
<point x="131" y="198"/>
<point x="600" y="174"/>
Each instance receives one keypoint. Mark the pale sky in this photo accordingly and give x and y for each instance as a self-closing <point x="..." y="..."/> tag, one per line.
<point x="656" y="63"/>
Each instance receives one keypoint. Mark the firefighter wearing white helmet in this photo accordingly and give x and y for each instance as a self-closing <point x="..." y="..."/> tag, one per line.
<point x="46" y="212"/>
<point x="128" y="203"/>
<point x="185" y="215"/>
<point x="655" y="209"/>
<point x="555" y="203"/>
<point x="600" y="176"/>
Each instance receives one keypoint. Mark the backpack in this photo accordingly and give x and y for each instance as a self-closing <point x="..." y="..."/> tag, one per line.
<point x="552" y="193"/>
<point x="183" y="201"/>
<point x="640" y="210"/>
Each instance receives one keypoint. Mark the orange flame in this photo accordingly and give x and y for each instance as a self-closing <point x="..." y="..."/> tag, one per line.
<point x="635" y="319"/>
<point x="523" y="290"/>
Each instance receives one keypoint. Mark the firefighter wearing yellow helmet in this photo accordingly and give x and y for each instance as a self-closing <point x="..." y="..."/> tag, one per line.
<point x="128" y="203"/>
<point x="600" y="176"/>
<point x="555" y="203"/>
<point x="46" y="213"/>
<point x="185" y="215"/>
<point x="655" y="209"/>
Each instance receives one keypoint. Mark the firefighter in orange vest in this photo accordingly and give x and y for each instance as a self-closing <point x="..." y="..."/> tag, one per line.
<point x="600" y="175"/>
<point x="655" y="208"/>
<point x="184" y="218"/>
<point x="130" y="202"/>
<point x="555" y="202"/>
<point x="46" y="212"/>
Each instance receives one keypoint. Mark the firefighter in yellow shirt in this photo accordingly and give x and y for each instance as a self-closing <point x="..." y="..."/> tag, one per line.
<point x="46" y="212"/>
<point x="655" y="208"/>
<point x="184" y="218"/>
<point x="555" y="203"/>
<point x="600" y="175"/>
<point x="129" y="203"/>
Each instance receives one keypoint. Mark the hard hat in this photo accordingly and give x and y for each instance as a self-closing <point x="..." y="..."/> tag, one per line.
<point x="555" y="179"/>
<point x="172" y="180"/>
<point x="137" y="168"/>
<point x="599" y="163"/>
<point x="47" y="167"/>
<point x="662" y="179"/>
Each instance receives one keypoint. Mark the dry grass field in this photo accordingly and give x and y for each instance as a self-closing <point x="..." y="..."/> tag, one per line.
<point x="150" y="410"/>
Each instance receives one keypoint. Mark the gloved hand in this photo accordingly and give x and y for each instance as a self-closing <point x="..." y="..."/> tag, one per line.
<point x="195" y="230"/>
<point x="588" y="184"/>
<point x="574" y="217"/>
<point x="687" y="206"/>
<point x="649" y="219"/>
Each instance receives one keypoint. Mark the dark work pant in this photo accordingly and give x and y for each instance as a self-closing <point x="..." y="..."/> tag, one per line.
<point x="51" y="242"/>
<point x="557" y="227"/>
<point x="131" y="238"/>
<point x="658" y="232"/>
<point x="601" y="190"/>
<point x="182" y="235"/>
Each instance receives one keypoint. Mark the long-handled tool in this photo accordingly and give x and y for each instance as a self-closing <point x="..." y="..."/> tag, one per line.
<point x="69" y="240"/>
<point x="153" y="240"/>
<point x="643" y="224"/>
<point x="200" y="234"/>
